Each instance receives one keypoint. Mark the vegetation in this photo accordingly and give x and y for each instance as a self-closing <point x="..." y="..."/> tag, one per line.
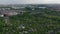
<point x="44" y="22"/>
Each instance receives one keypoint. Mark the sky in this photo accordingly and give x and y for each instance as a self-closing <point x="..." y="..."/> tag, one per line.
<point x="29" y="1"/>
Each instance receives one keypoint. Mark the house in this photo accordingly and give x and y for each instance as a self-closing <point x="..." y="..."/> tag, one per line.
<point x="5" y="8"/>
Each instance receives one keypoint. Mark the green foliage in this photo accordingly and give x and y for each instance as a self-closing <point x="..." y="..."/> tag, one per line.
<point x="41" y="23"/>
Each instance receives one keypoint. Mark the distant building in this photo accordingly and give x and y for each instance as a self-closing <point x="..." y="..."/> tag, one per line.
<point x="17" y="7"/>
<point x="11" y="12"/>
<point x="42" y="7"/>
<point x="5" y="8"/>
<point x="54" y="8"/>
<point x="1" y="15"/>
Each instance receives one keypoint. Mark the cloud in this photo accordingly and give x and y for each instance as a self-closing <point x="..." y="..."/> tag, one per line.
<point x="28" y="1"/>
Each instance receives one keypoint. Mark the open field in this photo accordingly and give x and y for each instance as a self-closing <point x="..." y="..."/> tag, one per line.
<point x="38" y="21"/>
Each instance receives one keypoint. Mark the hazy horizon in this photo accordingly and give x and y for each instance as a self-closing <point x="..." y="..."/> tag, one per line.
<point x="29" y="1"/>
